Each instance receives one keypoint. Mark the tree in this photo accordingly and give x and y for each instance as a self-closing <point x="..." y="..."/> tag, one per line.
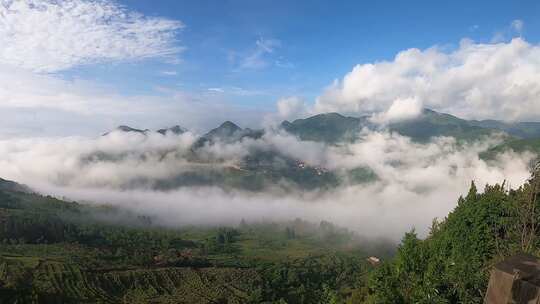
<point x="452" y="264"/>
<point x="528" y="211"/>
<point x="290" y="233"/>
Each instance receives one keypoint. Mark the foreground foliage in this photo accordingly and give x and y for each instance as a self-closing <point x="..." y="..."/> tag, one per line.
<point x="452" y="265"/>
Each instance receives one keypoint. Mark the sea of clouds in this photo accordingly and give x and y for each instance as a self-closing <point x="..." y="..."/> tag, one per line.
<point x="416" y="183"/>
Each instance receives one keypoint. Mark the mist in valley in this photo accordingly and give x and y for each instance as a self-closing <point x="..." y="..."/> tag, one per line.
<point x="414" y="182"/>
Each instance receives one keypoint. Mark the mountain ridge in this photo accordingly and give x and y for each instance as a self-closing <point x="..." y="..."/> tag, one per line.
<point x="334" y="127"/>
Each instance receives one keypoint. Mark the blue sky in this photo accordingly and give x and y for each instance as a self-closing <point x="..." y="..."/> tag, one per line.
<point x="315" y="42"/>
<point x="85" y="66"/>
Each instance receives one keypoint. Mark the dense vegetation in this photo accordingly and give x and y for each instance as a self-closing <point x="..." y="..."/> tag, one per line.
<point x="53" y="251"/>
<point x="452" y="264"/>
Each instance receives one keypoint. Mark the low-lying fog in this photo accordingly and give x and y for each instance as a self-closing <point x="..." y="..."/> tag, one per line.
<point x="416" y="182"/>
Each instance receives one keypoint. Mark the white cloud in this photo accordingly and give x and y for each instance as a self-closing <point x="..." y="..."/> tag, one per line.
<point x="169" y="73"/>
<point x="288" y="108"/>
<point x="257" y="58"/>
<point x="267" y="45"/>
<point x="54" y="35"/>
<point x="417" y="182"/>
<point x="401" y="109"/>
<point x="236" y="91"/>
<point x="282" y="63"/>
<point x="498" y="80"/>
<point x="517" y="25"/>
<point x="292" y="107"/>
<point x="474" y="27"/>
<point x="246" y="92"/>
<point x="217" y="90"/>
<point x="515" y="28"/>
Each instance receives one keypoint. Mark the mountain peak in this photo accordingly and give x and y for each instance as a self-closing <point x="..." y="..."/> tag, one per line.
<point x="177" y="130"/>
<point x="322" y="116"/>
<point x="327" y="127"/>
<point x="225" y="130"/>
<point x="124" y="128"/>
<point x="429" y="111"/>
<point x="329" y="115"/>
<point x="229" y="125"/>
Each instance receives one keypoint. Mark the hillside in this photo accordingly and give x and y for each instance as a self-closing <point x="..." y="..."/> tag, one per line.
<point x="526" y="130"/>
<point x="516" y="145"/>
<point x="329" y="128"/>
<point x="55" y="251"/>
<point x="6" y="185"/>
<point x="431" y="124"/>
<point x="452" y="264"/>
<point x="333" y="128"/>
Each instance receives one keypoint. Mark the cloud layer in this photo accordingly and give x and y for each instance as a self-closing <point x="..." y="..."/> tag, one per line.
<point x="476" y="80"/>
<point x="416" y="182"/>
<point x="50" y="36"/>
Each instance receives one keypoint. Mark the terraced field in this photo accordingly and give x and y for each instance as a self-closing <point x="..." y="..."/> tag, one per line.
<point x="53" y="251"/>
<point x="44" y="281"/>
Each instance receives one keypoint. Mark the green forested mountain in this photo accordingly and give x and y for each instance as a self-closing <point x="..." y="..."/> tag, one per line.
<point x="516" y="145"/>
<point x="329" y="128"/>
<point x="431" y="124"/>
<point x="333" y="128"/>
<point x="228" y="132"/>
<point x="518" y="129"/>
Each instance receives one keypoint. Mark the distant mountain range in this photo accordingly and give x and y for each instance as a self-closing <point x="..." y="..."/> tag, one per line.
<point x="261" y="167"/>
<point x="334" y="128"/>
